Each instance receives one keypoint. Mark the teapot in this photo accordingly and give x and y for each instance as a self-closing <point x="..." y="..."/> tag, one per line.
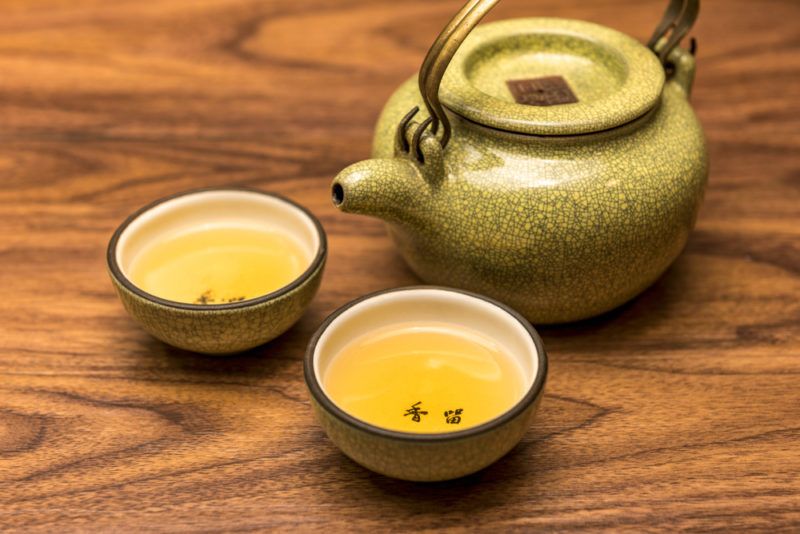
<point x="552" y="164"/>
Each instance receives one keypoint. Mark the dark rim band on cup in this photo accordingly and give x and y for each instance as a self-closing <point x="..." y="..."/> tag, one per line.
<point x="529" y="398"/>
<point x="116" y="272"/>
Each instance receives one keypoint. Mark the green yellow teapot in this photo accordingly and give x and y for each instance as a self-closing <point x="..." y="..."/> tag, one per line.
<point x="553" y="164"/>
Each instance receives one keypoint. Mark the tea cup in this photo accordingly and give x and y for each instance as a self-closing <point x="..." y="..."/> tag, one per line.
<point x="426" y="456"/>
<point x="227" y="327"/>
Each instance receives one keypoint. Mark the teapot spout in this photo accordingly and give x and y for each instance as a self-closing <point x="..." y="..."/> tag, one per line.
<point x="382" y="188"/>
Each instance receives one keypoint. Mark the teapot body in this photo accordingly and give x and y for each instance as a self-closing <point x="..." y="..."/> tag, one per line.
<point x="561" y="228"/>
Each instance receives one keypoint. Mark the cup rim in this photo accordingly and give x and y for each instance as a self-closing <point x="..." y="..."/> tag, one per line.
<point x="533" y="393"/>
<point x="116" y="271"/>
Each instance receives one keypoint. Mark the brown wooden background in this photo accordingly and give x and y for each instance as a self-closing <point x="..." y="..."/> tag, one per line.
<point x="679" y="411"/>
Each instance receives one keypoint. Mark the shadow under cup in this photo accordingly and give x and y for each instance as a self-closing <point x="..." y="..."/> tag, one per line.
<point x="427" y="457"/>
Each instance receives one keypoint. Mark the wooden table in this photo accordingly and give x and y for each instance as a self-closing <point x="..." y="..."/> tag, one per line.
<point x="680" y="410"/>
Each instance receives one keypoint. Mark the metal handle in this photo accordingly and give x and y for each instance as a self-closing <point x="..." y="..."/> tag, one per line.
<point x="679" y="18"/>
<point x="439" y="56"/>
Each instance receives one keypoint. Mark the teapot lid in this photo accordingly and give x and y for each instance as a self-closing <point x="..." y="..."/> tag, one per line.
<point x="547" y="76"/>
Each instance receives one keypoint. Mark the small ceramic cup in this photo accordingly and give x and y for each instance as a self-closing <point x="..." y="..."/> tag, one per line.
<point x="426" y="457"/>
<point x="217" y="328"/>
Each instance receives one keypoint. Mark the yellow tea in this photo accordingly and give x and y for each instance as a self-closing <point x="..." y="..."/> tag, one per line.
<point x="218" y="265"/>
<point x="424" y="377"/>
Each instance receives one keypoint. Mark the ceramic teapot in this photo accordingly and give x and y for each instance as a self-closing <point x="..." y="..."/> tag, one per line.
<point x="555" y="165"/>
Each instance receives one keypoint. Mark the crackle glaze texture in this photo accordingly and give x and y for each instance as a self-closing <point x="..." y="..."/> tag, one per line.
<point x="560" y="227"/>
<point x="221" y="331"/>
<point x="425" y="461"/>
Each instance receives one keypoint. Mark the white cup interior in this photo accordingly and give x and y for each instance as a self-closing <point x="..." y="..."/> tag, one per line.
<point x="213" y="209"/>
<point x="428" y="304"/>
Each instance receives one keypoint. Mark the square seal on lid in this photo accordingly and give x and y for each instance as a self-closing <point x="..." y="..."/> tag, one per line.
<point x="546" y="76"/>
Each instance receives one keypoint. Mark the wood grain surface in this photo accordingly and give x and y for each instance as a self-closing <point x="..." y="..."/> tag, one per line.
<point x="680" y="410"/>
